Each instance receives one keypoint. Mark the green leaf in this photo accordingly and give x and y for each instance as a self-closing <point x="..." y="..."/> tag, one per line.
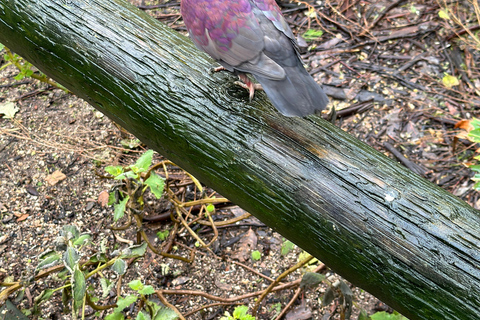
<point x="44" y="296"/>
<point x="475" y="167"/>
<point x="363" y="315"/>
<point x="119" y="209"/>
<point x="312" y="35"/>
<point x="135" y="251"/>
<point x="311" y="279"/>
<point x="256" y="255"/>
<point x="115" y="316"/>
<point x="147" y="290"/>
<point x="162" y="235"/>
<point x="131" y="174"/>
<point x="287" y="246"/>
<point x="387" y="316"/>
<point x="136" y="285"/>
<point x="165" y="314"/>
<point x="475" y="122"/>
<point x="475" y="135"/>
<point x="1" y="47"/>
<point x="82" y="239"/>
<point x="79" y="288"/>
<point x="142" y="316"/>
<point x="450" y="81"/>
<point x="156" y="184"/>
<point x="122" y="303"/>
<point x="112" y="198"/>
<point x="70" y="258"/>
<point x="114" y="170"/>
<point x="328" y="297"/>
<point x="443" y="13"/>
<point x="240" y="312"/>
<point x="119" y="266"/>
<point x="145" y="161"/>
<point x="70" y="232"/>
<point x="48" y="259"/>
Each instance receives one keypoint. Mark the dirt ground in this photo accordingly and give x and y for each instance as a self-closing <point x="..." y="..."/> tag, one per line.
<point x="387" y="93"/>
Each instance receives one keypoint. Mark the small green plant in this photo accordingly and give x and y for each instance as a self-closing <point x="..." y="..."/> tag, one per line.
<point x="240" y="313"/>
<point x="256" y="255"/>
<point x="137" y="179"/>
<point x="26" y="69"/>
<point x="77" y="277"/>
<point x="149" y="310"/>
<point x="287" y="246"/>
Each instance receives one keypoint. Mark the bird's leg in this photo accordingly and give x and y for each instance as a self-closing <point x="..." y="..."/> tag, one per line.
<point x="246" y="83"/>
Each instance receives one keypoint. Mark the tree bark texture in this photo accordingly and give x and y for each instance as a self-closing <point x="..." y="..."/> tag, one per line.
<point x="382" y="227"/>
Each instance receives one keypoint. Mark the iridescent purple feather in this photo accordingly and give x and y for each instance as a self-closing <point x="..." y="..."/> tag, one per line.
<point x="251" y="36"/>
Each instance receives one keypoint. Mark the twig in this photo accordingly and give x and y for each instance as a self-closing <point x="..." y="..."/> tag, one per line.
<point x="273" y="284"/>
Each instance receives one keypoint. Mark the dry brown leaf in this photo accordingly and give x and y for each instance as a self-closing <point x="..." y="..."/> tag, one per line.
<point x="103" y="198"/>
<point x="22" y="217"/>
<point x="55" y="177"/>
<point x="247" y="243"/>
<point x="465" y="125"/>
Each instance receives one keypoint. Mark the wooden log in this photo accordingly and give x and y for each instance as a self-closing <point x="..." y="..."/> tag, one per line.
<point x="382" y="227"/>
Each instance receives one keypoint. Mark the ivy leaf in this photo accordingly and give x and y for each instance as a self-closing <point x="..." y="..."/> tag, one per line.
<point x="48" y="259"/>
<point x="70" y="258"/>
<point x="119" y="266"/>
<point x="82" y="239"/>
<point x="134" y="251"/>
<point x="156" y="184"/>
<point x="79" y="288"/>
<point x="70" y="232"/>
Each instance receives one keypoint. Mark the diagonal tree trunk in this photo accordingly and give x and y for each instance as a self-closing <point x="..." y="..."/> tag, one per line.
<point x="380" y="226"/>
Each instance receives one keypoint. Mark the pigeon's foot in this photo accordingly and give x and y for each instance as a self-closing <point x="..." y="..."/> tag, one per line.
<point x="246" y="83"/>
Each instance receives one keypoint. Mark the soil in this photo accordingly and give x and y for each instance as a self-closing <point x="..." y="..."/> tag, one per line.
<point x="375" y="89"/>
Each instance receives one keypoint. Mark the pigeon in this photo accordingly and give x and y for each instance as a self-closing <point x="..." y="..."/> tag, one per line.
<point x="252" y="37"/>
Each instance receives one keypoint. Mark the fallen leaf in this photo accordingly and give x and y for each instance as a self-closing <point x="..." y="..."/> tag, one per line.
<point x="23" y="217"/>
<point x="450" y="81"/>
<point x="465" y="125"/>
<point x="55" y="177"/>
<point x="32" y="190"/>
<point x="299" y="313"/>
<point x="247" y="243"/>
<point x="8" y="109"/>
<point x="103" y="198"/>
<point x="223" y="286"/>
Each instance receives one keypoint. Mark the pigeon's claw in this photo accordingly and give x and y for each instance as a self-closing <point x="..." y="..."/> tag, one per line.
<point x="246" y="83"/>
